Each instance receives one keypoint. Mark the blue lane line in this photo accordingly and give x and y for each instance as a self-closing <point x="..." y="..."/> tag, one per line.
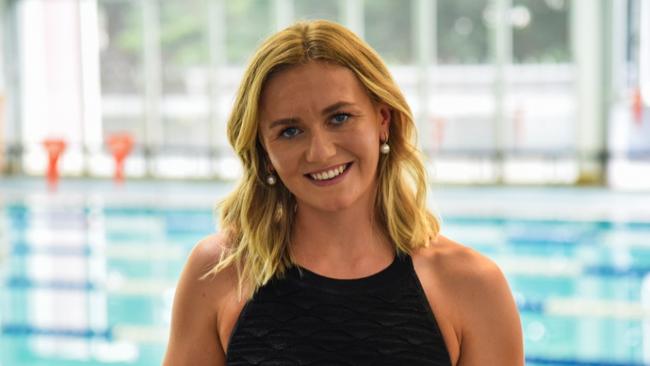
<point x="609" y="271"/>
<point x="530" y="305"/>
<point x="576" y="362"/>
<point x="24" y="249"/>
<point x="26" y="283"/>
<point x="19" y="213"/>
<point x="23" y="211"/>
<point x="548" y="240"/>
<point x="22" y="330"/>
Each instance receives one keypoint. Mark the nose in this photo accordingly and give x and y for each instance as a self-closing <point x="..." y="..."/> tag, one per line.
<point x="321" y="147"/>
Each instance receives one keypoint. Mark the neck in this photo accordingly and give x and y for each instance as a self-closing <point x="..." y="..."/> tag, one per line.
<point x="349" y="238"/>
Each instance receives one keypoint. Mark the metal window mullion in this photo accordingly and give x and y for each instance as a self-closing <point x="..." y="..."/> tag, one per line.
<point x="644" y="51"/>
<point x="90" y="87"/>
<point x="619" y="74"/>
<point x="283" y="11"/>
<point x="423" y="24"/>
<point x="152" y="80"/>
<point x="609" y="91"/>
<point x="217" y="47"/>
<point x="3" y="89"/>
<point x="502" y="42"/>
<point x="619" y="66"/>
<point x="587" y="34"/>
<point x="82" y="91"/>
<point x="13" y="84"/>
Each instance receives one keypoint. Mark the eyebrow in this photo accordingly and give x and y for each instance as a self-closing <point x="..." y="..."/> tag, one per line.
<point x="293" y="120"/>
<point x="334" y="107"/>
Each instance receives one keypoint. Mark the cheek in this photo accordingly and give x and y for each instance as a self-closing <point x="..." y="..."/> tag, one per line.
<point x="366" y="143"/>
<point x="283" y="160"/>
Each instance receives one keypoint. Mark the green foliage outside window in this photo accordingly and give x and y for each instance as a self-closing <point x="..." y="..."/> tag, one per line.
<point x="546" y="36"/>
<point x="463" y="37"/>
<point x="248" y="22"/>
<point x="388" y="29"/>
<point x="540" y="30"/>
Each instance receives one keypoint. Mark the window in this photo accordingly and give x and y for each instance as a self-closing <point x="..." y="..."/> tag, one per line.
<point x="121" y="63"/>
<point x="540" y="31"/>
<point x="185" y="74"/>
<point x="462" y="32"/>
<point x="388" y="29"/>
<point x="317" y="9"/>
<point x="247" y="23"/>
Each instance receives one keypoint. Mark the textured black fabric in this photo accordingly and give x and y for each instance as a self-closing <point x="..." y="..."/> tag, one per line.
<point x="307" y="319"/>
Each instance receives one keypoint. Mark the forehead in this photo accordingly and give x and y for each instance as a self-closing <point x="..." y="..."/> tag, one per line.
<point x="312" y="85"/>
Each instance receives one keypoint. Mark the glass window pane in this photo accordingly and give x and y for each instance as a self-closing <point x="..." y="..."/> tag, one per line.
<point x="540" y="31"/>
<point x="317" y="9"/>
<point x="463" y="37"/>
<point x="388" y="29"/>
<point x="540" y="102"/>
<point x="122" y="83"/>
<point x="184" y="47"/>
<point x="248" y="22"/>
<point x="633" y="28"/>
<point x="186" y="74"/>
<point x="121" y="46"/>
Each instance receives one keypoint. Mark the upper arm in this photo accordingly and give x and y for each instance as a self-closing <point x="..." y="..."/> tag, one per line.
<point x="194" y="338"/>
<point x="491" y="331"/>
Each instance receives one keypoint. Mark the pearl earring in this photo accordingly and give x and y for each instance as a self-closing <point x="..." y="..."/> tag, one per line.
<point x="271" y="179"/>
<point x="385" y="148"/>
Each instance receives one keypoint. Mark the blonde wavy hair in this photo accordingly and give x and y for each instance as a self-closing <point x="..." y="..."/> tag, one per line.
<point x="256" y="218"/>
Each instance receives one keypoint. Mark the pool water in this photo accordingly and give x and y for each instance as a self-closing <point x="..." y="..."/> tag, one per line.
<point x="87" y="278"/>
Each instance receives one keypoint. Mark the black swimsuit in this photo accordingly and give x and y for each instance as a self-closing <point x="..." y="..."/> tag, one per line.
<point x="308" y="319"/>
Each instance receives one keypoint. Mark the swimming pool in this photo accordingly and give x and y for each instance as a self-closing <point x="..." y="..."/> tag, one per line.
<point x="87" y="274"/>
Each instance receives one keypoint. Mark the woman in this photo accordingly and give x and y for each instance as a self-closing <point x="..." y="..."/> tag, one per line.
<point x="327" y="254"/>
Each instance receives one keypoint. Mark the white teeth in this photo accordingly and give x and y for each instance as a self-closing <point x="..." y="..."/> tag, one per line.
<point x="328" y="174"/>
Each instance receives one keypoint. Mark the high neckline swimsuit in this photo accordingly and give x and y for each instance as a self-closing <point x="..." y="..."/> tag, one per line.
<point x="306" y="319"/>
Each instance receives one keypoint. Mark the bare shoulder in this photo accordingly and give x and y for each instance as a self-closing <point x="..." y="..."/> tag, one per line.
<point x="213" y="289"/>
<point x="475" y="296"/>
<point x="194" y="334"/>
<point x="207" y="251"/>
<point x="205" y="254"/>
<point x="210" y="248"/>
<point x="460" y="265"/>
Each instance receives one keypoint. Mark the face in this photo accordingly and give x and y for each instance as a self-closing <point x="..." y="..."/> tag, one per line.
<point x="322" y="134"/>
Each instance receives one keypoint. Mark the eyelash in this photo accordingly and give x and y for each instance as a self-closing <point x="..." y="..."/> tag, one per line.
<point x="282" y="133"/>
<point x="346" y="115"/>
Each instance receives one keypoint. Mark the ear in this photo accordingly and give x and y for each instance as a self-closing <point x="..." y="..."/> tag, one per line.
<point x="384" y="113"/>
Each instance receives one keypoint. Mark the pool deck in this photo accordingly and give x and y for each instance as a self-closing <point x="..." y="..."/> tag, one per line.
<point x="526" y="202"/>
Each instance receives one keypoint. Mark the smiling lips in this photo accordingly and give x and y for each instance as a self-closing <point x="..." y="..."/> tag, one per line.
<point x="329" y="173"/>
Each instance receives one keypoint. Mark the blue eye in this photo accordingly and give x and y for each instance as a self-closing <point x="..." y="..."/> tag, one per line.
<point x="289" y="132"/>
<point x="340" y="118"/>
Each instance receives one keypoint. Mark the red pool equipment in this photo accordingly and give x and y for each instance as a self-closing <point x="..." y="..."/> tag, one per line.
<point x="120" y="145"/>
<point x="54" y="148"/>
<point x="637" y="106"/>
